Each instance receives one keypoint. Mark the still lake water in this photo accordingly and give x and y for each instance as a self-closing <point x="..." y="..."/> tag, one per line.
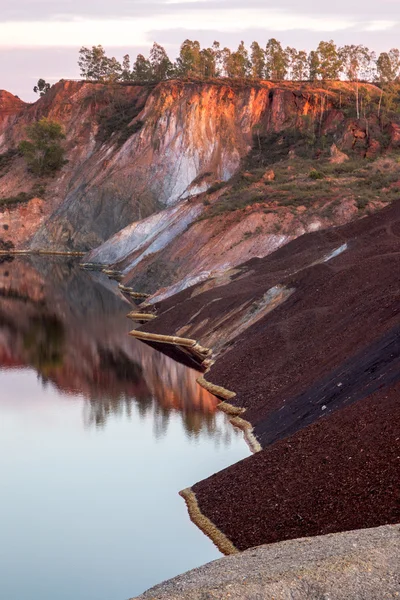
<point x="98" y="433"/>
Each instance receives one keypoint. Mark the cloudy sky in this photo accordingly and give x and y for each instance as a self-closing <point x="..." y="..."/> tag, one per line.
<point x="41" y="38"/>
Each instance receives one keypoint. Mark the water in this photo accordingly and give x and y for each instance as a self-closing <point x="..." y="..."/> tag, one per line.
<point x="98" y="433"/>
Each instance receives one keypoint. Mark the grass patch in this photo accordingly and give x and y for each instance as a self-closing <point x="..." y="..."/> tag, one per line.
<point x="218" y="185"/>
<point x="18" y="199"/>
<point x="38" y="190"/>
<point x="314" y="174"/>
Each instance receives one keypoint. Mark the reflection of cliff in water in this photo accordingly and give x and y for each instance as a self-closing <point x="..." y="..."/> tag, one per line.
<point x="70" y="326"/>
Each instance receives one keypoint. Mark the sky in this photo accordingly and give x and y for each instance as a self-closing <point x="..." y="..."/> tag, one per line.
<point x="41" y="38"/>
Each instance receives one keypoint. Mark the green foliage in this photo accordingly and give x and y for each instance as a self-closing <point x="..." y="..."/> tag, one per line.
<point x="388" y="66"/>
<point x="326" y="62"/>
<point x="189" y="62"/>
<point x="234" y="200"/>
<point x="43" y="151"/>
<point x="96" y="66"/>
<point x="257" y="61"/>
<point x="126" y="73"/>
<point x="362" y="203"/>
<point x="38" y="190"/>
<point x="297" y="64"/>
<point x="218" y="185"/>
<point x="6" y="160"/>
<point x="142" y="71"/>
<point x="314" y="174"/>
<point x="116" y="118"/>
<point x="18" y="199"/>
<point x="236" y="64"/>
<point x="276" y="60"/>
<point x="161" y="66"/>
<point x="298" y="182"/>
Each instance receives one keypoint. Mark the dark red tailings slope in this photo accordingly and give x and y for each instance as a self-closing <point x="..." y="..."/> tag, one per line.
<point x="320" y="379"/>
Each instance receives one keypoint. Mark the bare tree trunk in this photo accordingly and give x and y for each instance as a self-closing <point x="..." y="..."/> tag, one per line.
<point x="380" y="105"/>
<point x="321" y="116"/>
<point x="357" y="101"/>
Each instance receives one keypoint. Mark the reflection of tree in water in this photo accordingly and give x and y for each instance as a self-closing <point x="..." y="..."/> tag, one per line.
<point x="118" y="384"/>
<point x="45" y="341"/>
<point x="163" y="389"/>
<point x="71" y="328"/>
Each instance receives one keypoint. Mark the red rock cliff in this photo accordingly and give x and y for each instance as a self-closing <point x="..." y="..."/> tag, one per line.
<point x="133" y="150"/>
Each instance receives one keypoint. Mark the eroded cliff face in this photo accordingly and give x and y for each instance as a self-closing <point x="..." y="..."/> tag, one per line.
<point x="277" y="194"/>
<point x="133" y="150"/>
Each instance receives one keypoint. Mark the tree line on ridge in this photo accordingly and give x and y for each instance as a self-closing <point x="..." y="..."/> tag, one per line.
<point x="272" y="62"/>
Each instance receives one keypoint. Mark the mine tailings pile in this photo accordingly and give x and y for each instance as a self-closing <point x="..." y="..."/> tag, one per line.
<point x="316" y="374"/>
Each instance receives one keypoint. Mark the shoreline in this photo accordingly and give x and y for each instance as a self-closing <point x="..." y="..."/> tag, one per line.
<point x="39" y="252"/>
<point x="198" y="518"/>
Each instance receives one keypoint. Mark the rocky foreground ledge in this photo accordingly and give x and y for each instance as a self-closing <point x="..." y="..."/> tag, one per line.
<point x="358" y="565"/>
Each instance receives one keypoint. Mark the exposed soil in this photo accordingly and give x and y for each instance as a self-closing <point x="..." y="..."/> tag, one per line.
<point x="318" y="376"/>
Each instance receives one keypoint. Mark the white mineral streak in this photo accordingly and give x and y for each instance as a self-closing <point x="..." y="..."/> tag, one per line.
<point x="149" y="235"/>
<point x="335" y="253"/>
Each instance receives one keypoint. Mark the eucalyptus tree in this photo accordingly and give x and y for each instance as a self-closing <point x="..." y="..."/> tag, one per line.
<point x="237" y="64"/>
<point x="313" y="65"/>
<point x="141" y="70"/>
<point x="208" y="63"/>
<point x="188" y="63"/>
<point x="161" y="66"/>
<point x="93" y="63"/>
<point x="126" y="72"/>
<point x="330" y="63"/>
<point x="257" y="58"/>
<point x="357" y="64"/>
<point x="276" y="60"/>
<point x="298" y="66"/>
<point x="388" y="66"/>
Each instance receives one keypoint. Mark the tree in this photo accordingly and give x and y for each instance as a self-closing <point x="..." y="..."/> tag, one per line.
<point x="218" y="58"/>
<point x="356" y="61"/>
<point x="225" y="61"/>
<point x="291" y="54"/>
<point x="113" y="70"/>
<point x="298" y="67"/>
<point x="42" y="87"/>
<point x="93" y="63"/>
<point x="126" y="74"/>
<point x="141" y="69"/>
<point x="208" y="65"/>
<point x="188" y="63"/>
<point x="43" y="151"/>
<point x="238" y="63"/>
<point x="313" y="65"/>
<point x="161" y="66"/>
<point x="388" y="66"/>
<point x="257" y="61"/>
<point x="276" y="61"/>
<point x="330" y="63"/>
